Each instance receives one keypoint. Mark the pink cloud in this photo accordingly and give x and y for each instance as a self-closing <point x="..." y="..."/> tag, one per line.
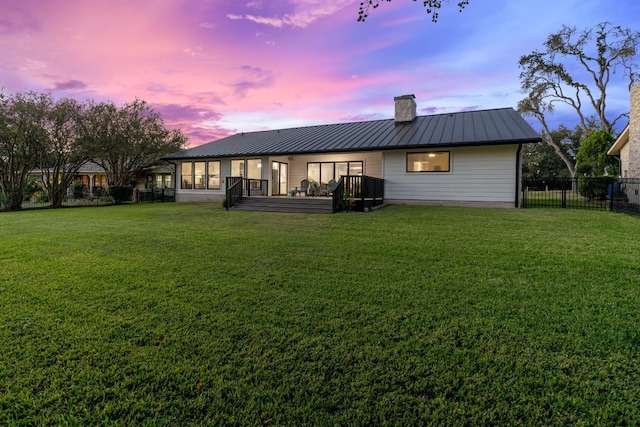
<point x="302" y="13"/>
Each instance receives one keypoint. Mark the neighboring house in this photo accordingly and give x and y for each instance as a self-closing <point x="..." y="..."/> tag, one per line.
<point x="627" y="146"/>
<point x="459" y="158"/>
<point x="93" y="178"/>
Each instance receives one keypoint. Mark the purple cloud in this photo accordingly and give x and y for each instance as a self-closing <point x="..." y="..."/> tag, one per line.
<point x="257" y="78"/>
<point x="16" y="20"/>
<point x="68" y="85"/>
<point x="185" y="113"/>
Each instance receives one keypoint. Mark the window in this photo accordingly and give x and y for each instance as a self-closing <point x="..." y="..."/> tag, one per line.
<point x="435" y="161"/>
<point x="213" y="170"/>
<point x="199" y="173"/>
<point x="198" y="176"/>
<point x="187" y="175"/>
<point x="323" y="172"/>
<point x="237" y="168"/>
<point x="254" y="169"/>
<point x="162" y="181"/>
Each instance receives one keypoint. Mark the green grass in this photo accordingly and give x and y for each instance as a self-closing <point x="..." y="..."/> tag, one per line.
<point x="185" y="314"/>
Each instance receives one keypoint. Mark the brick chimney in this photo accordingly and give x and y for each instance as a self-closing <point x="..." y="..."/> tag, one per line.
<point x="405" y="108"/>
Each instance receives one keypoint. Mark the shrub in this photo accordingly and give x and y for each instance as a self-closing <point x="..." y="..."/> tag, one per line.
<point x="32" y="187"/>
<point x="120" y="194"/>
<point x="594" y="188"/>
<point x="77" y="190"/>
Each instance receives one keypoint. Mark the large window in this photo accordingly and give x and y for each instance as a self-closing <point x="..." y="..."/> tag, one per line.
<point x="200" y="175"/>
<point x="254" y="169"/>
<point x="237" y="168"/>
<point x="187" y="175"/>
<point x="435" y="161"/>
<point x="213" y="171"/>
<point x="323" y="172"/>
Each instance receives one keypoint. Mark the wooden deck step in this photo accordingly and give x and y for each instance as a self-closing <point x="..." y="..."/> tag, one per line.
<point x="285" y="204"/>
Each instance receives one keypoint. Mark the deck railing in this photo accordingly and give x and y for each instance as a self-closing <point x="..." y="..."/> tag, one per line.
<point x="255" y="187"/>
<point x="358" y="193"/>
<point x="234" y="190"/>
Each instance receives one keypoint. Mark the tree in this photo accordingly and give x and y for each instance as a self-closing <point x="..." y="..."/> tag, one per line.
<point x="542" y="161"/>
<point x="575" y="71"/>
<point x="127" y="139"/>
<point x="432" y="8"/>
<point x="22" y="137"/>
<point x="592" y="159"/>
<point x="64" y="152"/>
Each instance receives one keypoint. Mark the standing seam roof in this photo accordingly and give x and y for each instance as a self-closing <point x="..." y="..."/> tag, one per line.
<point x="483" y="127"/>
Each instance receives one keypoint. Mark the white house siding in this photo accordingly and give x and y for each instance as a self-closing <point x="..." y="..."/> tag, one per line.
<point x="482" y="175"/>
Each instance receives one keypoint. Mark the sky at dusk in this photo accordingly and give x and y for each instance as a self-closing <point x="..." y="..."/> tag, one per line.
<point x="218" y="67"/>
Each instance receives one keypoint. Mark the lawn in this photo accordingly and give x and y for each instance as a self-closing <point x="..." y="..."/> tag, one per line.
<point x="185" y="314"/>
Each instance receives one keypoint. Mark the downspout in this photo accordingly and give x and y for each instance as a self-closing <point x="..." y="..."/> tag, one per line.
<point x="175" y="180"/>
<point x="518" y="174"/>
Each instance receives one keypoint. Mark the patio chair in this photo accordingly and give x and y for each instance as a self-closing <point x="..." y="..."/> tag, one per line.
<point x="304" y="187"/>
<point x="329" y="188"/>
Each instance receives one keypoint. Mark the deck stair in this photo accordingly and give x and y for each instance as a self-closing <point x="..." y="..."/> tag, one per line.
<point x="285" y="204"/>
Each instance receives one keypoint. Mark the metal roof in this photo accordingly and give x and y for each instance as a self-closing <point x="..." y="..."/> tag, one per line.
<point x="483" y="127"/>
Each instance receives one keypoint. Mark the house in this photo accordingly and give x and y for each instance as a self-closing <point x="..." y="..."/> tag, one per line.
<point x="466" y="158"/>
<point x="627" y="146"/>
<point x="91" y="178"/>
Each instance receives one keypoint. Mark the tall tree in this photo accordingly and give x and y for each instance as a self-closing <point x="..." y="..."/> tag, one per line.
<point x="574" y="71"/>
<point x="64" y="152"/>
<point x="542" y="161"/>
<point x="432" y="7"/>
<point x="22" y="139"/>
<point x="127" y="139"/>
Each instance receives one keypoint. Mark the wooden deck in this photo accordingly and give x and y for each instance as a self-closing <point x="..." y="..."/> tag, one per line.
<point x="285" y="204"/>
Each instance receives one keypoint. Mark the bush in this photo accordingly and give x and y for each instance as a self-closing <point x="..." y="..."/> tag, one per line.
<point x="33" y="186"/>
<point x="594" y="188"/>
<point x="120" y="194"/>
<point x="77" y="190"/>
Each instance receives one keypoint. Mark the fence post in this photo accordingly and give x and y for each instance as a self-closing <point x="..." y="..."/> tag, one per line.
<point x="564" y="192"/>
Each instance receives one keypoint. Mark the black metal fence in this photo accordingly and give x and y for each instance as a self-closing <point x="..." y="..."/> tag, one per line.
<point x="613" y="194"/>
<point x="153" y="195"/>
<point x="97" y="197"/>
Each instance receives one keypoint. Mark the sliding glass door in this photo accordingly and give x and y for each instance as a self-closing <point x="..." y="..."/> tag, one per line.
<point x="279" y="172"/>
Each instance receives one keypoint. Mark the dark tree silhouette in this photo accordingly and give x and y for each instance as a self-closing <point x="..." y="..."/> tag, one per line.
<point x="432" y="7"/>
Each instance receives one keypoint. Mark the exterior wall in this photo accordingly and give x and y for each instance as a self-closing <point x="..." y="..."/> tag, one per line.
<point x="479" y="176"/>
<point x="634" y="135"/>
<point x="372" y="165"/>
<point x="624" y="161"/>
